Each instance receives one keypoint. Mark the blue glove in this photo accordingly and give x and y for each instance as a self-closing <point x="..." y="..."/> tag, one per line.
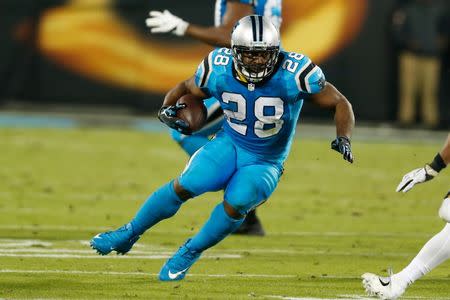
<point x="168" y="115"/>
<point x="342" y="145"/>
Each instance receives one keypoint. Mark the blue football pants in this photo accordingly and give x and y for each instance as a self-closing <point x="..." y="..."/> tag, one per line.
<point x="247" y="180"/>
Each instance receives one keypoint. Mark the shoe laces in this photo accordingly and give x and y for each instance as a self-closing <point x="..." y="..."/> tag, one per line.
<point x="184" y="258"/>
<point x="125" y="228"/>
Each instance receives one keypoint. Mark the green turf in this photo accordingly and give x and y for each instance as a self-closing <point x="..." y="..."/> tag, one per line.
<point x="327" y="223"/>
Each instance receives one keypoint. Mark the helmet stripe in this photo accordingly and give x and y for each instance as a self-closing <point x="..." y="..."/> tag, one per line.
<point x="260" y="19"/>
<point x="253" y="27"/>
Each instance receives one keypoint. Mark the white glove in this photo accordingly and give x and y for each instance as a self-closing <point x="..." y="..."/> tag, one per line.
<point x="416" y="176"/>
<point x="161" y="22"/>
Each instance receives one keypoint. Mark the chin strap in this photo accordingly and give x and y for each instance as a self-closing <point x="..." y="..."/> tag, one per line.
<point x="240" y="76"/>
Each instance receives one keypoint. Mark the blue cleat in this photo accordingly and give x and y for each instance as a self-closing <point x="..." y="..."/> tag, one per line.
<point x="178" y="265"/>
<point x="121" y="240"/>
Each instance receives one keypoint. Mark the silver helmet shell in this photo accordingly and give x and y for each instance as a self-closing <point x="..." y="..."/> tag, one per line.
<point x="253" y="36"/>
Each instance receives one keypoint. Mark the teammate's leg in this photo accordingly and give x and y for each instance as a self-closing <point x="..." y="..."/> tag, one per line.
<point x="214" y="120"/>
<point x="189" y="143"/>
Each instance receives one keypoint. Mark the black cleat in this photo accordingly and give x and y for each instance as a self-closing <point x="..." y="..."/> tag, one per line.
<point x="251" y="226"/>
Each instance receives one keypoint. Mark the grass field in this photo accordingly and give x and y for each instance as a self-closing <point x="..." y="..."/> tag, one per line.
<point x="327" y="223"/>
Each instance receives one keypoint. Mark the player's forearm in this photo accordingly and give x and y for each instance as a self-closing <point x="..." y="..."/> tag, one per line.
<point x="174" y="94"/>
<point x="344" y="118"/>
<point x="214" y="36"/>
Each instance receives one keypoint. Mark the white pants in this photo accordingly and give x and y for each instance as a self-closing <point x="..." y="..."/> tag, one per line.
<point x="444" y="211"/>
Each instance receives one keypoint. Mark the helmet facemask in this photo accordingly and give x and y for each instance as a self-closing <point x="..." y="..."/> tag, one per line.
<point x="255" y="63"/>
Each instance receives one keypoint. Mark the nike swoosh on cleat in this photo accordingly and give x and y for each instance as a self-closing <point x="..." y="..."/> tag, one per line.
<point x="175" y="275"/>
<point x="384" y="283"/>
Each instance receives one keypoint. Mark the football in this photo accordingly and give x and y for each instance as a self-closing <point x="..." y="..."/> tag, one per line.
<point x="194" y="113"/>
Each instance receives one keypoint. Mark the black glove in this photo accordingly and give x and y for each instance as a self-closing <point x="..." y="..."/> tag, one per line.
<point x="168" y="115"/>
<point x="342" y="145"/>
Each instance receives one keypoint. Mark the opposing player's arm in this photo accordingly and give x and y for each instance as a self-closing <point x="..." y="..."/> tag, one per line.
<point x="428" y="172"/>
<point x="161" y="22"/>
<point x="329" y="97"/>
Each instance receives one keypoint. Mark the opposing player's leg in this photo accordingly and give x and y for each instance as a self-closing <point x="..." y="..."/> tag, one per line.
<point x="433" y="253"/>
<point x="382" y="287"/>
<point x="249" y="187"/>
<point x="207" y="170"/>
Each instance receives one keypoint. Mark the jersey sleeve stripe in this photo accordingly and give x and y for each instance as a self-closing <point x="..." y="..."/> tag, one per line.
<point x="297" y="77"/>
<point x="308" y="87"/>
<point x="303" y="74"/>
<point x="207" y="70"/>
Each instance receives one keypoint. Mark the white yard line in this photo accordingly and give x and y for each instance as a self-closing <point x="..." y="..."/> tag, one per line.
<point x="343" y="297"/>
<point x="95" y="256"/>
<point x="285" y="233"/>
<point x="346" y="297"/>
<point x="69" y="272"/>
<point x="43" y="249"/>
<point x="112" y="273"/>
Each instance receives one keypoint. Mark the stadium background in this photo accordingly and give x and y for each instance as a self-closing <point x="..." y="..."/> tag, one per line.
<point x="98" y="53"/>
<point x="80" y="150"/>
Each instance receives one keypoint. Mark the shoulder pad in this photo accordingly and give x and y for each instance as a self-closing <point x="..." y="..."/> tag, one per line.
<point x="214" y="62"/>
<point x="309" y="78"/>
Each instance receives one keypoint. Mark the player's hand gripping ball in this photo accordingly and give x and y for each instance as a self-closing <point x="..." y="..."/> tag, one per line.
<point x="186" y="116"/>
<point x="194" y="114"/>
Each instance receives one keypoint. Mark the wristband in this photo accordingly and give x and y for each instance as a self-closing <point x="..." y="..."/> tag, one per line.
<point x="438" y="163"/>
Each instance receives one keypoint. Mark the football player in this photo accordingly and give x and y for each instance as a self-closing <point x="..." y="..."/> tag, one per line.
<point x="435" y="251"/>
<point x="261" y="90"/>
<point x="227" y="13"/>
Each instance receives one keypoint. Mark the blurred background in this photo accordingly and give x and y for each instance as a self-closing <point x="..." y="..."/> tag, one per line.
<point x="97" y="55"/>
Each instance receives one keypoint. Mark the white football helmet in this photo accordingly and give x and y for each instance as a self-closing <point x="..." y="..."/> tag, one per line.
<point x="255" y="43"/>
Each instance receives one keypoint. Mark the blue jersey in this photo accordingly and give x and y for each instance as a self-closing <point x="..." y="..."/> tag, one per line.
<point x="261" y="117"/>
<point x="268" y="8"/>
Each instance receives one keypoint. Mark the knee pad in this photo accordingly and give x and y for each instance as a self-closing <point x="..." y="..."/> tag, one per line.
<point x="244" y="199"/>
<point x="444" y="211"/>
